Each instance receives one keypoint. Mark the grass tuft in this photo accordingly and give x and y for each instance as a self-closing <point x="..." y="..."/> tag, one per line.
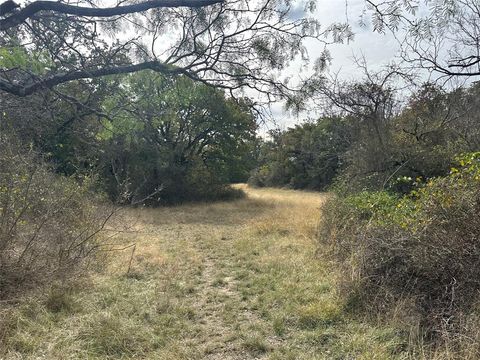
<point x="255" y="344"/>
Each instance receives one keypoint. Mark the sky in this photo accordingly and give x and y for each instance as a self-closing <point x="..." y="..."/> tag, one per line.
<point x="377" y="49"/>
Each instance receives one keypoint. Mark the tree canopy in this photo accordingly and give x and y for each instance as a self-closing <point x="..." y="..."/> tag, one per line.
<point x="230" y="44"/>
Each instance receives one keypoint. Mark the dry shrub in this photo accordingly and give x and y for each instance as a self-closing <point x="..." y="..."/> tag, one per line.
<point x="48" y="223"/>
<point x="422" y="249"/>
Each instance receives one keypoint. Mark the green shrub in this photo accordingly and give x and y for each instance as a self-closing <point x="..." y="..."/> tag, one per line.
<point x="424" y="246"/>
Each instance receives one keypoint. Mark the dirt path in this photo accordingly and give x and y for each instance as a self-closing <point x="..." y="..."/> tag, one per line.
<point x="223" y="242"/>
<point x="226" y="281"/>
<point x="210" y="234"/>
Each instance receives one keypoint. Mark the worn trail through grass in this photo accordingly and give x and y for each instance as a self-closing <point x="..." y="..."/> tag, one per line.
<point x="233" y="280"/>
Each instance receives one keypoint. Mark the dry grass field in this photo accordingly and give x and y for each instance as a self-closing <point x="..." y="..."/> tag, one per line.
<point x="219" y="281"/>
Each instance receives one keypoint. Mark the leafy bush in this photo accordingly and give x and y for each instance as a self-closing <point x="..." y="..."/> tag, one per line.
<point x="47" y="225"/>
<point x="424" y="246"/>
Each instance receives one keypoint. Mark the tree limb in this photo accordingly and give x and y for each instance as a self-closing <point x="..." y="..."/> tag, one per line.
<point x="54" y="80"/>
<point x="37" y="6"/>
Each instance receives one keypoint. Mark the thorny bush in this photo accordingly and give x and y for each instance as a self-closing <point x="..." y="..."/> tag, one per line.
<point x="49" y="225"/>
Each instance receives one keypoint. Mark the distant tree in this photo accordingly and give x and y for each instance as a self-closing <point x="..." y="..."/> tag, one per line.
<point x="307" y="156"/>
<point x="371" y="103"/>
<point x="173" y="135"/>
<point x="395" y="142"/>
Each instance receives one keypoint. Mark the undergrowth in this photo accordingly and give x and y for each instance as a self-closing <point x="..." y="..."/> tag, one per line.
<point x="414" y="259"/>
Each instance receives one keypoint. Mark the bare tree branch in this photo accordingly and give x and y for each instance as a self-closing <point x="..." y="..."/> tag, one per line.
<point x="443" y="38"/>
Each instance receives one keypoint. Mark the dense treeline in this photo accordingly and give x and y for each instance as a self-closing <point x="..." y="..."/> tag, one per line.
<point x="372" y="145"/>
<point x="155" y="139"/>
<point x="175" y="140"/>
<point x="307" y="156"/>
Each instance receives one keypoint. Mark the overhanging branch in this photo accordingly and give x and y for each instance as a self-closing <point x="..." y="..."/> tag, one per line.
<point x="54" y="80"/>
<point x="37" y="6"/>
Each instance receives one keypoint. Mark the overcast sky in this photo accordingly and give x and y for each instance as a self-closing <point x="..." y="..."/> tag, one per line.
<point x="378" y="49"/>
